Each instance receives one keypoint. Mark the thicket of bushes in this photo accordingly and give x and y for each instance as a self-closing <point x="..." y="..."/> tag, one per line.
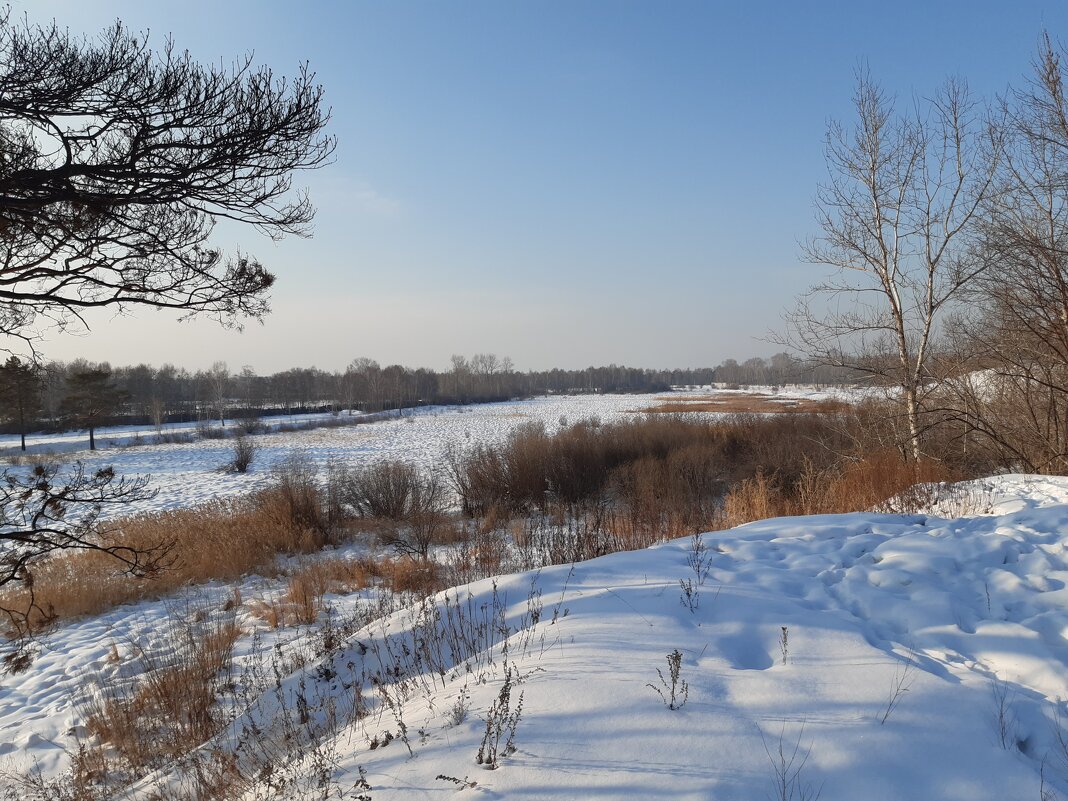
<point x="664" y="476"/>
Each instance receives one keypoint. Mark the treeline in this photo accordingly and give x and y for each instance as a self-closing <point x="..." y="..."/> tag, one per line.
<point x="78" y="394"/>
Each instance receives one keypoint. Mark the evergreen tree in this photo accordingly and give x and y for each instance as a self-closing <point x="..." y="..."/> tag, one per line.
<point x="91" y="399"/>
<point x="20" y="394"/>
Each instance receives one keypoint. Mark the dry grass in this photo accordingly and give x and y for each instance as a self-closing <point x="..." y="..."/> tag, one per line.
<point x="171" y="708"/>
<point x="746" y="403"/>
<point x="881" y="480"/>
<point x="648" y="465"/>
<point x="419" y="576"/>
<point x="221" y="540"/>
<point x="591" y="489"/>
<point x="308" y="585"/>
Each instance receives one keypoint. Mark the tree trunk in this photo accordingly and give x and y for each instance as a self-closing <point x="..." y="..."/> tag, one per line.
<point x="23" y="435"/>
<point x="92" y="439"/>
<point x="914" y="422"/>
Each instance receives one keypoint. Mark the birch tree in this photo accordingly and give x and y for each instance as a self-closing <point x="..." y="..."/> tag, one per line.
<point x="896" y="218"/>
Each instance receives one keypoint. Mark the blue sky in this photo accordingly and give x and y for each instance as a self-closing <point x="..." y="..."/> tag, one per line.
<point x="565" y="183"/>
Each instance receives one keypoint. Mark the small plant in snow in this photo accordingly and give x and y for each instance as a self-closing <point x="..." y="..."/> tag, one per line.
<point x="787" y="763"/>
<point x="900" y="685"/>
<point x="458" y="711"/>
<point x="674" y="690"/>
<point x="1005" y="724"/>
<point x="394" y="707"/>
<point x="360" y="790"/>
<point x="699" y="558"/>
<point x="1045" y="792"/>
<point x="690" y="597"/>
<point x="501" y="720"/>
<point x="464" y="784"/>
<point x="784" y="643"/>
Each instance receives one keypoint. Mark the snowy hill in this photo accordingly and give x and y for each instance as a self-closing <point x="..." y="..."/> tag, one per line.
<point x="925" y="658"/>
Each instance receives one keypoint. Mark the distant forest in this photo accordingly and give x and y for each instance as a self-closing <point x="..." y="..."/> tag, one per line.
<point x="143" y="394"/>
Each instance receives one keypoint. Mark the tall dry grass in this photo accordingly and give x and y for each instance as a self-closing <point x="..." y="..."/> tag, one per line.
<point x="220" y="540"/>
<point x="877" y="481"/>
<point x="628" y="484"/>
<point x="170" y="708"/>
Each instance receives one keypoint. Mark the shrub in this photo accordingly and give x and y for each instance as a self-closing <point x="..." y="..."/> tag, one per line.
<point x="384" y="490"/>
<point x="415" y="504"/>
<point x="295" y="499"/>
<point x="207" y="431"/>
<point x="244" y="453"/>
<point x="249" y="422"/>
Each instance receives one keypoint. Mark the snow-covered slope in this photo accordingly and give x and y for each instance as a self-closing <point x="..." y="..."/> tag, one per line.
<point x="925" y="658"/>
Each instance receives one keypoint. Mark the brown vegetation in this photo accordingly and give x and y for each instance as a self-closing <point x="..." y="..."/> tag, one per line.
<point x="592" y="489"/>
<point x="744" y="403"/>
<point x="880" y="480"/>
<point x="310" y="583"/>
<point x="171" y="706"/>
<point x="223" y="539"/>
<point x="587" y="490"/>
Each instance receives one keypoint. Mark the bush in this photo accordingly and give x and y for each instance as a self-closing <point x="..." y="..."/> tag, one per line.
<point x="384" y="490"/>
<point x="414" y="504"/>
<point x="249" y="422"/>
<point x="296" y="500"/>
<point x="206" y="430"/>
<point x="244" y="453"/>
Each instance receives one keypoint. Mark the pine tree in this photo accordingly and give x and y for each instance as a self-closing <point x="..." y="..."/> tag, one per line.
<point x="91" y="399"/>
<point x="20" y="394"/>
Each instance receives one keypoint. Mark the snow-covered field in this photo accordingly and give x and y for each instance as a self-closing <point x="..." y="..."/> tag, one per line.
<point x="925" y="656"/>
<point x="191" y="473"/>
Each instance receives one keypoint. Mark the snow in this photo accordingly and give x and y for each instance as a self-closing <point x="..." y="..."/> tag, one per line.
<point x="867" y="600"/>
<point x="186" y="474"/>
<point x="936" y="615"/>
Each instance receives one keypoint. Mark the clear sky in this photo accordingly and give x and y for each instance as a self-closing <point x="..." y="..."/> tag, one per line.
<point x="565" y="183"/>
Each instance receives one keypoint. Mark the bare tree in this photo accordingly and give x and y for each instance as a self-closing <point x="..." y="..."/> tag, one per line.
<point x="365" y="377"/>
<point x="157" y="412"/>
<point x="219" y="389"/>
<point x="1019" y="402"/>
<point x="897" y="228"/>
